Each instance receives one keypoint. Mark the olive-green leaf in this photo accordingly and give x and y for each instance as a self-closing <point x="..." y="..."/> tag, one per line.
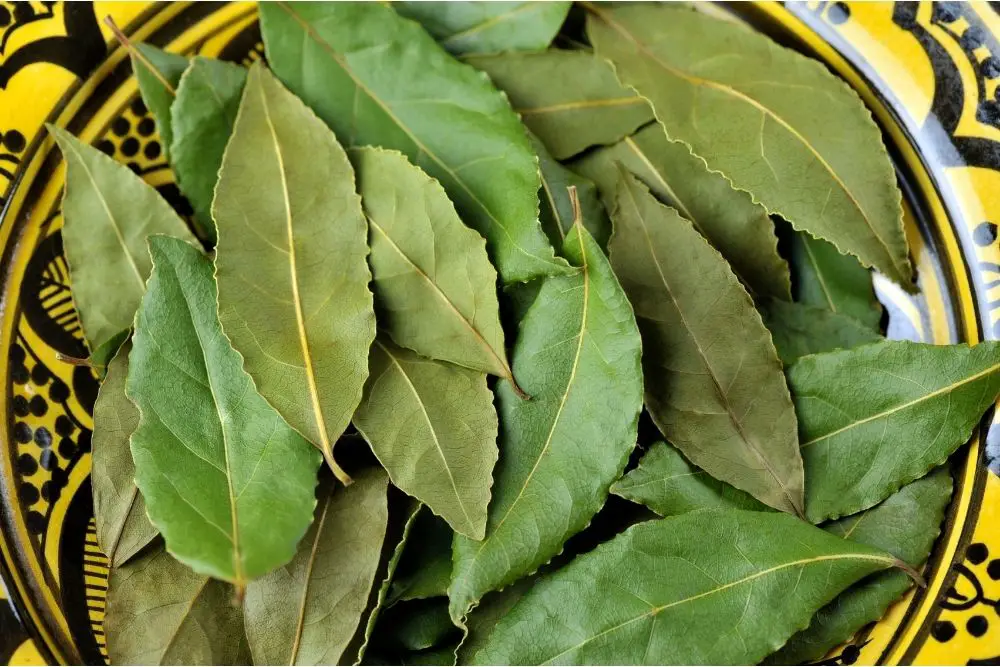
<point x="159" y="612"/>
<point x="291" y="262"/>
<point x="120" y="513"/>
<point x="488" y="27"/>
<point x="377" y="78"/>
<point x="158" y="74"/>
<point x="417" y="625"/>
<point x="714" y="384"/>
<point x="425" y="568"/>
<point x="434" y="428"/>
<point x="879" y="416"/>
<point x="905" y="525"/>
<point x="307" y="612"/>
<point x="578" y="357"/>
<point x="570" y="99"/>
<point x="435" y="286"/>
<point x="717" y="587"/>
<point x="798" y="329"/>
<point x="108" y="212"/>
<point x="728" y="218"/>
<point x="826" y="279"/>
<point x="667" y="483"/>
<point x="761" y="114"/>
<point x="202" y="117"/>
<point x="557" y="214"/>
<point x="226" y="481"/>
<point x="484" y="618"/>
<point x="101" y="357"/>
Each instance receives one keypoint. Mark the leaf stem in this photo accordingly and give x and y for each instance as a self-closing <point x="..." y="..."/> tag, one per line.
<point x="136" y="53"/>
<point x="74" y="361"/>
<point x="911" y="573"/>
<point x="338" y="472"/>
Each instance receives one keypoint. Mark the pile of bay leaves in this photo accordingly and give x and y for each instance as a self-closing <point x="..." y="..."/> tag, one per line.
<point x="506" y="333"/>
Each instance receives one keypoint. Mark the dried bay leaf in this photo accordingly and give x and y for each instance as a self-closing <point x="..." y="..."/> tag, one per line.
<point x="798" y="330"/>
<point x="484" y="618"/>
<point x="120" y="512"/>
<point x="158" y="74"/>
<point x="307" y="612"/>
<point x="377" y="78"/>
<point x="728" y="218"/>
<point x="434" y="428"/>
<point x="556" y="212"/>
<point x="578" y="357"/>
<point x="906" y="525"/>
<point x="826" y="279"/>
<point x="434" y="283"/>
<point x="425" y="568"/>
<point x="643" y="597"/>
<point x="761" y="114"/>
<point x="291" y="263"/>
<point x="159" y="612"/>
<point x="100" y="358"/>
<point x="226" y="481"/>
<point x="108" y="212"/>
<point x="714" y="384"/>
<point x="202" y="117"/>
<point x="488" y="27"/>
<point x="669" y="484"/>
<point x="879" y="416"/>
<point x="570" y="99"/>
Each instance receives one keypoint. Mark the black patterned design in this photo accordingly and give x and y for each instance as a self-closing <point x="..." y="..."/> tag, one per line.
<point x="79" y="51"/>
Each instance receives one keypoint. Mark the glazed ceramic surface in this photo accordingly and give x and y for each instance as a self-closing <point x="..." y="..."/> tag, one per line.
<point x="929" y="71"/>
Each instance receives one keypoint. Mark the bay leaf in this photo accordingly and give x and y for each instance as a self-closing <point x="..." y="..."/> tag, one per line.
<point x="556" y="212"/>
<point x="570" y="99"/>
<point x="826" y="279"/>
<point x="433" y="427"/>
<point x="488" y="27"/>
<point x="291" y="263"/>
<point x="484" y="618"/>
<point x="727" y="218"/>
<point x="307" y="612"/>
<point x="108" y="211"/>
<point x="418" y="625"/>
<point x="906" y="525"/>
<point x="226" y="481"/>
<point x="119" y="511"/>
<point x="926" y="398"/>
<point x="733" y="95"/>
<point x="202" y="117"/>
<point x="798" y="329"/>
<point x="377" y="78"/>
<point x="644" y="597"/>
<point x="158" y="74"/>
<point x="434" y="283"/>
<point x="100" y="358"/>
<point x="425" y="567"/>
<point x="667" y="483"/>
<point x="714" y="384"/>
<point x="578" y="357"/>
<point x="159" y="612"/>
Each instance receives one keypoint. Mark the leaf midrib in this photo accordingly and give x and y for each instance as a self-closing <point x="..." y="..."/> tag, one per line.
<point x="580" y="104"/>
<point x="184" y="617"/>
<point x="490" y="22"/>
<point x="308" y="575"/>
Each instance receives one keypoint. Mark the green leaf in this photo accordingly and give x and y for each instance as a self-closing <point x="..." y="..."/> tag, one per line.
<point x="202" y="117"/>
<point x="488" y="27"/>
<point x="714" y="384"/>
<point x="434" y="428"/>
<point x="307" y="612"/>
<point x="377" y="78"/>
<point x="425" y="568"/>
<point x="578" y="357"/>
<point x="159" y="612"/>
<point x="569" y="99"/>
<point x="645" y="596"/>
<point x="104" y="239"/>
<point x="291" y="263"/>
<point x="484" y="618"/>
<point x="761" y="114"/>
<point x="418" y="625"/>
<point x="102" y="356"/>
<point x="798" y="330"/>
<point x="158" y="74"/>
<point x="905" y="525"/>
<point x="228" y="484"/>
<point x="879" y="416"/>
<point x="436" y="288"/>
<point x="122" y="527"/>
<point x="826" y="279"/>
<point x="669" y="484"/>
<point x="727" y="218"/>
<point x="557" y="213"/>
